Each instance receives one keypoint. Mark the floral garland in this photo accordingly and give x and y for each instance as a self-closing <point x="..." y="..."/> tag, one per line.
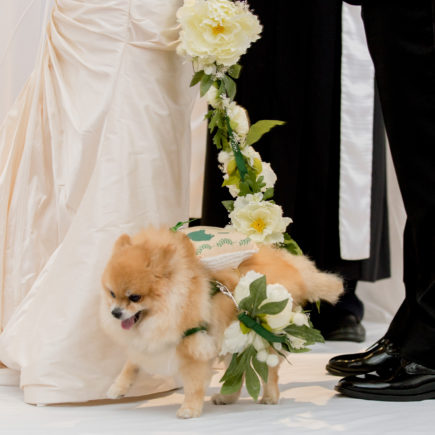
<point x="214" y="35"/>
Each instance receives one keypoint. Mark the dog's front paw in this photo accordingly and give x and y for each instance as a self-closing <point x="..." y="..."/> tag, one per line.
<point x="116" y="391"/>
<point x="188" y="412"/>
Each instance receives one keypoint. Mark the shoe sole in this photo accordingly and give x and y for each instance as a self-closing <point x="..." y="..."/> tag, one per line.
<point x="384" y="397"/>
<point x="343" y="373"/>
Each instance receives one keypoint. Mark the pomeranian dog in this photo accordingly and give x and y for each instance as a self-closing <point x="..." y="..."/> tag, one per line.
<point x="155" y="289"/>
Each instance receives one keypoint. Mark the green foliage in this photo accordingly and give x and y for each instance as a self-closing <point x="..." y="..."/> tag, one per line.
<point x="197" y="78"/>
<point x="291" y="245"/>
<point x="230" y="86"/>
<point x="252" y="382"/>
<point x="260" y="128"/>
<point x="206" y="82"/>
<point x="229" y="205"/>
<point x="272" y="307"/>
<point x="310" y="335"/>
<point x="268" y="194"/>
<point x="234" y="71"/>
<point x="261" y="368"/>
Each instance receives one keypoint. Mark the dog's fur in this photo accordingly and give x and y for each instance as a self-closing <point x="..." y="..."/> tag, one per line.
<point x="161" y="268"/>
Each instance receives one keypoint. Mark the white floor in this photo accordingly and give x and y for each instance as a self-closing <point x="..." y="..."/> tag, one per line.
<point x="308" y="404"/>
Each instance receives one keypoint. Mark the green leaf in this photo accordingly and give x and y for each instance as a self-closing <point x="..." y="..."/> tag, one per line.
<point x="260" y="128"/>
<point x="232" y="385"/>
<point x="230" y="86"/>
<point x="196" y="78"/>
<point x="252" y="382"/>
<point x="231" y="369"/>
<point x="318" y="303"/>
<point x="261" y="368"/>
<point x="310" y="335"/>
<point x="206" y="82"/>
<point x="268" y="193"/>
<point x="234" y="180"/>
<point x="229" y="205"/>
<point x="234" y="71"/>
<point x="257" y="290"/>
<point x="246" y="304"/>
<point x="291" y="245"/>
<point x="272" y="307"/>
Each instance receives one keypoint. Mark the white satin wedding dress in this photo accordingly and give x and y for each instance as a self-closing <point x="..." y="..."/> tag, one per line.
<point x="97" y="144"/>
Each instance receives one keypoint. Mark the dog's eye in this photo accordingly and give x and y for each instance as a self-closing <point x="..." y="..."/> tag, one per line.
<point x="135" y="298"/>
<point x="112" y="294"/>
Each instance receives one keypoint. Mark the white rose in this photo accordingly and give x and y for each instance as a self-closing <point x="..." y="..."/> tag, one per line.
<point x="242" y="289"/>
<point x="216" y="30"/>
<point x="239" y="120"/>
<point x="260" y="220"/>
<point x="277" y="293"/>
<point x="234" y="339"/>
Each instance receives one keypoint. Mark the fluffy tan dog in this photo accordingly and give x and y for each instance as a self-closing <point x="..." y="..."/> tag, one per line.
<point x="155" y="289"/>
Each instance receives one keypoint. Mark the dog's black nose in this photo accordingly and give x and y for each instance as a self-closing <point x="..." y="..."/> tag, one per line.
<point x="117" y="313"/>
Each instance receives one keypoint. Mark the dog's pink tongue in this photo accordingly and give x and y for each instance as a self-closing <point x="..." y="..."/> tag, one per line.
<point x="128" y="323"/>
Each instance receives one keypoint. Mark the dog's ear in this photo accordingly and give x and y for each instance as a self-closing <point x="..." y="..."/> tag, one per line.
<point x="122" y="241"/>
<point x="166" y="253"/>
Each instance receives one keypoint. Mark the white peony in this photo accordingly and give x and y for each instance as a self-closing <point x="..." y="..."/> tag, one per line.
<point x="216" y="30"/>
<point x="234" y="339"/>
<point x="260" y="220"/>
<point x="276" y="293"/>
<point x="242" y="289"/>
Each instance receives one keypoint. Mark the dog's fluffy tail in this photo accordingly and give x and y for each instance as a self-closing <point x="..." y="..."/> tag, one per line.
<point x="318" y="285"/>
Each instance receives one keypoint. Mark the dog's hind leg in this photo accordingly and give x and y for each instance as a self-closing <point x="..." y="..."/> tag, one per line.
<point x="124" y="381"/>
<point x="270" y="388"/>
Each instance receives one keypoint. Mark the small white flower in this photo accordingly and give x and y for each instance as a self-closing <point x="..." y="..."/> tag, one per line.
<point x="210" y="69"/>
<point x="299" y="319"/>
<point x="234" y="339"/>
<point x="262" y="221"/>
<point x="211" y="96"/>
<point x="239" y="120"/>
<point x="272" y="360"/>
<point x="277" y="346"/>
<point x="277" y="293"/>
<point x="296" y="342"/>
<point x="258" y="342"/>
<point x="262" y="356"/>
<point x="242" y="289"/>
<point x="268" y="175"/>
<point x="216" y="30"/>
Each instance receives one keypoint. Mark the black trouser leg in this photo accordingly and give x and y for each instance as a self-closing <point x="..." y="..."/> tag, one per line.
<point x="400" y="35"/>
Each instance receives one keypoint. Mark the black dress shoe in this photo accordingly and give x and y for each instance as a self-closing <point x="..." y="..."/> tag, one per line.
<point x="347" y="328"/>
<point x="382" y="356"/>
<point x="409" y="382"/>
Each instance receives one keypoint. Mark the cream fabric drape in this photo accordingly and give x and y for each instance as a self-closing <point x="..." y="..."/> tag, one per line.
<point x="356" y="147"/>
<point x="98" y="143"/>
